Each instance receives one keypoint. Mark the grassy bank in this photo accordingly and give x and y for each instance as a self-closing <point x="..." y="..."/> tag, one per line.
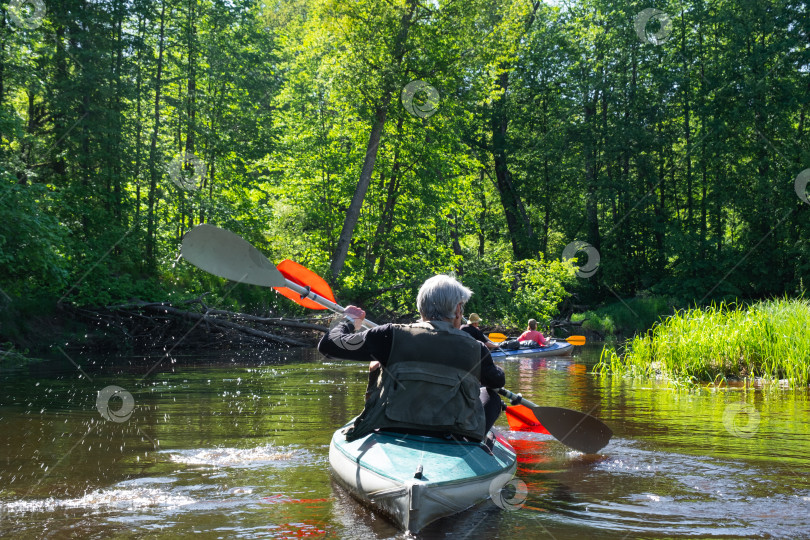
<point x="767" y="339"/>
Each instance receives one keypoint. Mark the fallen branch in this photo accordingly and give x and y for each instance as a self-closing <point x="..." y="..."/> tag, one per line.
<point x="224" y="323"/>
<point x="560" y="323"/>
<point x="141" y="326"/>
<point x="267" y="320"/>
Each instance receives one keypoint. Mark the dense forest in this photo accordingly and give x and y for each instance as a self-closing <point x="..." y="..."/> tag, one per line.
<point x="663" y="148"/>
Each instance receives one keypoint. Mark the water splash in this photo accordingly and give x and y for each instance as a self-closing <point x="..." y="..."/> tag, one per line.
<point x="237" y="457"/>
<point x="103" y="499"/>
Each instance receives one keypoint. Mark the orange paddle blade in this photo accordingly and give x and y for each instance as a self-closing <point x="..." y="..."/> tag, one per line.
<point x="521" y="418"/>
<point x="576" y="340"/>
<point x="305" y="277"/>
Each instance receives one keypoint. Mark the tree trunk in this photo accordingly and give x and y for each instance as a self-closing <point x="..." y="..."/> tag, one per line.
<point x="153" y="171"/>
<point x="3" y="61"/>
<point x="353" y="213"/>
<point x="520" y="229"/>
<point x="521" y="234"/>
<point x="139" y="123"/>
<point x="546" y="184"/>
<point x="387" y="214"/>
<point x="381" y="111"/>
<point x="591" y="215"/>
<point x="661" y="210"/>
<point x="687" y="128"/>
<point x="187" y="219"/>
<point x="118" y="167"/>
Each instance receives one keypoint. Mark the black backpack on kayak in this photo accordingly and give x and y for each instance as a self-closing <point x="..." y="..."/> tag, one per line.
<point x="513" y="344"/>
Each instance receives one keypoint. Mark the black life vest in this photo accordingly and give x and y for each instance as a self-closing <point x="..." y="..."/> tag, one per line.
<point x="431" y="383"/>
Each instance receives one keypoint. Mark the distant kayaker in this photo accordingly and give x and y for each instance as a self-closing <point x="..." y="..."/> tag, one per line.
<point x="428" y="377"/>
<point x="532" y="334"/>
<point x="472" y="328"/>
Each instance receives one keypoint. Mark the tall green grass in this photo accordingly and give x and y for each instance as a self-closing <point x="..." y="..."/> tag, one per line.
<point x="768" y="339"/>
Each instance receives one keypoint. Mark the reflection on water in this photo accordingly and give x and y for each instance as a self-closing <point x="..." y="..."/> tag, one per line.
<point x="241" y="451"/>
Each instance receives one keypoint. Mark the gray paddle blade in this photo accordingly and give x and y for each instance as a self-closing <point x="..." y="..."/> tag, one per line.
<point x="228" y="255"/>
<point x="574" y="429"/>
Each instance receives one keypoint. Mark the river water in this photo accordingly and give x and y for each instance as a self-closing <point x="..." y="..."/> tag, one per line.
<point x="238" y="448"/>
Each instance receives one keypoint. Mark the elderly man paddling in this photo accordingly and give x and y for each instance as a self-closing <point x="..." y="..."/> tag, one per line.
<point x="429" y="377"/>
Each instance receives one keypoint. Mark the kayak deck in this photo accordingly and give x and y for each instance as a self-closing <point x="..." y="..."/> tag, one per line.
<point x="414" y="479"/>
<point x="558" y="348"/>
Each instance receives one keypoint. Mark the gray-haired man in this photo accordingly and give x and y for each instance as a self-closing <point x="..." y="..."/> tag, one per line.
<point x="428" y="377"/>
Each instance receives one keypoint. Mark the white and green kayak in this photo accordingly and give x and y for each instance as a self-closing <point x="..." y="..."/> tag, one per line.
<point x="414" y="480"/>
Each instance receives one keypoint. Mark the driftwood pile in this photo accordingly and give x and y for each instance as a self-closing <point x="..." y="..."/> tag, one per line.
<point x="191" y="324"/>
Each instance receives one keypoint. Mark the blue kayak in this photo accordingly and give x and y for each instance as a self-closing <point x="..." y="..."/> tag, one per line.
<point x="414" y="480"/>
<point x="558" y="348"/>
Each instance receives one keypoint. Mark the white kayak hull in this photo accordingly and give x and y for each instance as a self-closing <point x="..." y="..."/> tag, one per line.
<point x="379" y="470"/>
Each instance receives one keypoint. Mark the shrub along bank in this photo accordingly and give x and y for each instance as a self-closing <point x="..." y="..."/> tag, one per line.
<point x="768" y="339"/>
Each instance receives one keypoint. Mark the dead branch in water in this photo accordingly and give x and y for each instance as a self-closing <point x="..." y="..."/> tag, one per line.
<point x="209" y="318"/>
<point x="192" y="324"/>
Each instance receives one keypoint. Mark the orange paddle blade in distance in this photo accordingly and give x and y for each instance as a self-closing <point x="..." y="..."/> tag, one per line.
<point x="305" y="277"/>
<point x="521" y="418"/>
<point x="576" y="340"/>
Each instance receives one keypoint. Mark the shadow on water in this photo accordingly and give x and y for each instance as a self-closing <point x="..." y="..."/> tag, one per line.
<point x="239" y="449"/>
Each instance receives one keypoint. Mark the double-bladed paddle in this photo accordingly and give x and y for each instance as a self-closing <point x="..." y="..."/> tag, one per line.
<point x="497" y="337"/>
<point x="226" y="254"/>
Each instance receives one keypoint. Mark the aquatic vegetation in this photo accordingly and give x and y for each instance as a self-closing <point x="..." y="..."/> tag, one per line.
<point x="767" y="340"/>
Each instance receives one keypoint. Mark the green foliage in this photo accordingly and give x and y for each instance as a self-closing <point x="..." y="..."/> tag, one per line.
<point x="31" y="240"/>
<point x="535" y="289"/>
<point x="767" y="339"/>
<point x="676" y="159"/>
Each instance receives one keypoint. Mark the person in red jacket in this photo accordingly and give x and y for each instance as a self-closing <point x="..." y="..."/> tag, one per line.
<point x="532" y="334"/>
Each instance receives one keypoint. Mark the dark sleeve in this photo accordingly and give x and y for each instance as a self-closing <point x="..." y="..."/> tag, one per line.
<point x="344" y="343"/>
<point x="475" y="333"/>
<point x="491" y="375"/>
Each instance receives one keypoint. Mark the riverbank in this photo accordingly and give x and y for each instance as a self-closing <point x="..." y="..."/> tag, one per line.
<point x="768" y="340"/>
<point x="43" y="329"/>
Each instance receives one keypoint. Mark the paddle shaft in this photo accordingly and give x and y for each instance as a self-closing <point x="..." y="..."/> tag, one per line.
<point x="305" y="292"/>
<point x="515" y="399"/>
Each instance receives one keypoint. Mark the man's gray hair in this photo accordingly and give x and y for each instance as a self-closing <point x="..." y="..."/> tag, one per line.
<point x="439" y="296"/>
